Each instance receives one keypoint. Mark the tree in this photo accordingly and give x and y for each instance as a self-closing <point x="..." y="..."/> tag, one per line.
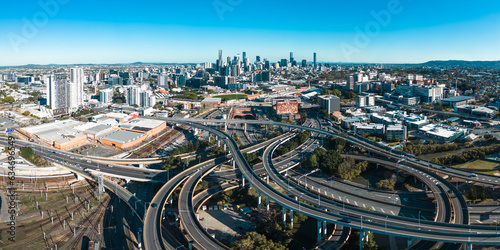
<point x="254" y="240"/>
<point x="350" y="95"/>
<point x="386" y="184"/>
<point x="337" y="93"/>
<point x="472" y="194"/>
<point x="9" y="99"/>
<point x="26" y="113"/>
<point x="483" y="194"/>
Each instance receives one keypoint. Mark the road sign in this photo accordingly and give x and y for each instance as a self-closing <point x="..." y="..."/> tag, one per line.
<point x="9" y="131"/>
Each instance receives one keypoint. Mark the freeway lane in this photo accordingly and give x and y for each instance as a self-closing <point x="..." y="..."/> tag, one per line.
<point x="326" y="204"/>
<point x="187" y="214"/>
<point x="439" y="232"/>
<point x="152" y="228"/>
<point x="374" y="147"/>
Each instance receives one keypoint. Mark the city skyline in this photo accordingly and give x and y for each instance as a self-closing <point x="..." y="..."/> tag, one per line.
<point x="70" y="32"/>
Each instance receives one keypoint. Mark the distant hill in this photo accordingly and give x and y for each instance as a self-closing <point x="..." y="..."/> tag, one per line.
<point x="460" y="63"/>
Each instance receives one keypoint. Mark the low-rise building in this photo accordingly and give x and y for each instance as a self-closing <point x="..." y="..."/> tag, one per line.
<point x="396" y="131"/>
<point x="348" y="122"/>
<point x="442" y="133"/>
<point x="457" y="100"/>
<point x="475" y="111"/>
<point x="375" y="129"/>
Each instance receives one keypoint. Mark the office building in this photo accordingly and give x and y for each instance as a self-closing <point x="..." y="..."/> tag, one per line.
<point x="396" y="131"/>
<point x="266" y="76"/>
<point x="284" y="63"/>
<point x="314" y="59"/>
<point x="304" y="63"/>
<point x="219" y="62"/>
<point x="330" y="103"/>
<point x="372" y="128"/>
<point x="365" y="101"/>
<point x="106" y="95"/>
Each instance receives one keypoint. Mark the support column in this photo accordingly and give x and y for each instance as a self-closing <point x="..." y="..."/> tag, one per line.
<point x="243" y="186"/>
<point x="225" y="127"/>
<point x="260" y="201"/>
<point x="267" y="203"/>
<point x="469" y="246"/>
<point x="291" y="217"/>
<point x="245" y="127"/>
<point x="284" y="217"/>
<point x="324" y="229"/>
<point x="266" y="129"/>
<point x="410" y="242"/>
<point x="319" y="231"/>
<point x="234" y="164"/>
<point x="361" y="239"/>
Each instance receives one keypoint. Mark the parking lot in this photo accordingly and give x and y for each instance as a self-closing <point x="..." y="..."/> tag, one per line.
<point x="225" y="224"/>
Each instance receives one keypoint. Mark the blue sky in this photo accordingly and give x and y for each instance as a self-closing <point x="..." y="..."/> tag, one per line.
<point x="75" y="31"/>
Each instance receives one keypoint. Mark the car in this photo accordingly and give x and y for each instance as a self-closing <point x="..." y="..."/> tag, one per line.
<point x="443" y="167"/>
<point x="473" y="175"/>
<point x="346" y="220"/>
<point x="154" y="204"/>
<point x="110" y="166"/>
<point x="279" y="160"/>
<point x="77" y="164"/>
<point x="97" y="169"/>
<point x="89" y="162"/>
<point x="50" y="155"/>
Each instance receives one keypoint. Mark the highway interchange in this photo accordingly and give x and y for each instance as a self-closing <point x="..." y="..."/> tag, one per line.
<point x="371" y="221"/>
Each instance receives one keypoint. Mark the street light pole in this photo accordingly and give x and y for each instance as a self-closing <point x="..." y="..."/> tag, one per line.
<point x="343" y="204"/>
<point x="419" y="220"/>
<point x="386" y="223"/>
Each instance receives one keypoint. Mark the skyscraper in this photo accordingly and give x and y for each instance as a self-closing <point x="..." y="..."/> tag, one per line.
<point x="133" y="96"/>
<point x="314" y="64"/>
<point x="57" y="92"/>
<point x="257" y="58"/>
<point x="219" y="63"/>
<point x="51" y="89"/>
<point x="75" y="88"/>
<point x="244" y="57"/>
<point x="291" y="57"/>
<point x="304" y="63"/>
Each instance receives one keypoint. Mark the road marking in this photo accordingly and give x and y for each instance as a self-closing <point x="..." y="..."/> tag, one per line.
<point x="373" y="208"/>
<point x="356" y="203"/>
<point x="347" y="200"/>
<point x="413" y="216"/>
<point x="392" y="212"/>
<point x="382" y="210"/>
<point x="479" y="221"/>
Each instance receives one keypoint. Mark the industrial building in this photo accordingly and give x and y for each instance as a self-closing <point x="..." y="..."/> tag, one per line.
<point x="442" y="133"/>
<point x="59" y="134"/>
<point x="457" y="100"/>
